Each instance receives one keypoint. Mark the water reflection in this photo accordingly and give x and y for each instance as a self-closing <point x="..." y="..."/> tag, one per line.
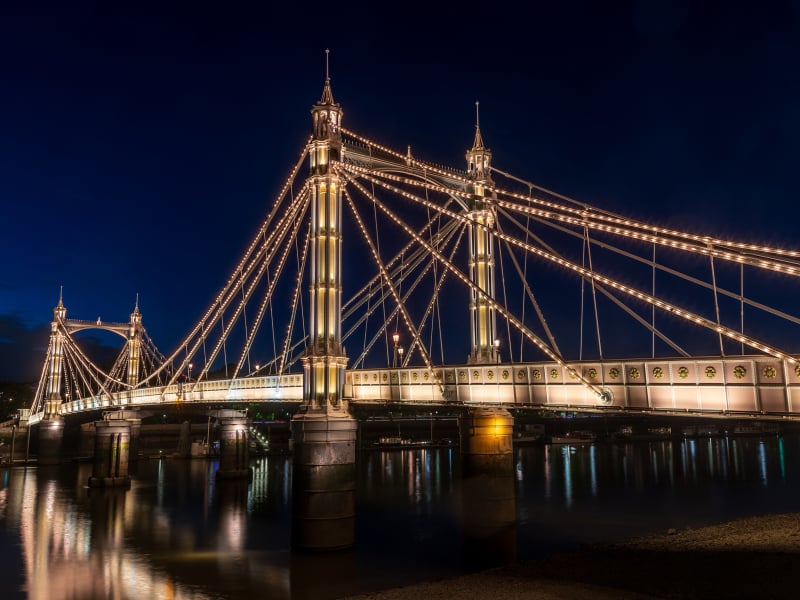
<point x="423" y="513"/>
<point x="489" y="511"/>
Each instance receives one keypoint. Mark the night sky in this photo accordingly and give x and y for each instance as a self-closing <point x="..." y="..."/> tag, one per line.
<point x="140" y="152"/>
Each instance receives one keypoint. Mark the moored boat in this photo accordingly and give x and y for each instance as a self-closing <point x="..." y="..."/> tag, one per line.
<point x="573" y="437"/>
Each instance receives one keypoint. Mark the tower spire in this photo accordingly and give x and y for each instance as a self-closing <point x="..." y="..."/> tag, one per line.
<point x="327" y="94"/>
<point x="478" y="143"/>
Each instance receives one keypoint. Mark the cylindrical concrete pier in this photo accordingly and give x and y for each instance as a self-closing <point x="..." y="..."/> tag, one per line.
<point x="488" y="493"/>
<point x="486" y="432"/>
<point x="323" y="482"/>
<point x="111" y="452"/>
<point x="51" y="435"/>
<point x="136" y="429"/>
<point x="234" y="456"/>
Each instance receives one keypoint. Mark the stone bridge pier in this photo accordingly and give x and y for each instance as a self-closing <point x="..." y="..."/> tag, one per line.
<point x="234" y="445"/>
<point x="323" y="481"/>
<point x="51" y="436"/>
<point x="112" y="440"/>
<point x="488" y="492"/>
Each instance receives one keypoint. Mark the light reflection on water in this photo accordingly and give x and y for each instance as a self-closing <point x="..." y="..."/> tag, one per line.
<point x="178" y="533"/>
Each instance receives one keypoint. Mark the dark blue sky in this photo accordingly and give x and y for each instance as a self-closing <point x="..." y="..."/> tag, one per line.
<point x="138" y="153"/>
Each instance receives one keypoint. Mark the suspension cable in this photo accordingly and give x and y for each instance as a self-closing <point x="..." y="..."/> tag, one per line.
<point x="662" y="305"/>
<point x="716" y="304"/>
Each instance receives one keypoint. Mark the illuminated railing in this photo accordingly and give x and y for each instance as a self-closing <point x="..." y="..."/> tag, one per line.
<point x="752" y="385"/>
<point x="285" y="388"/>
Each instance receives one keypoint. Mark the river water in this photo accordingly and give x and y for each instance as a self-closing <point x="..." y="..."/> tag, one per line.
<point x="177" y="533"/>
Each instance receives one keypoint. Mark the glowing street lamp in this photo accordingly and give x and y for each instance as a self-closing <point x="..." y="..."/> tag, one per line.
<point x="395" y="339"/>
<point x="189" y="371"/>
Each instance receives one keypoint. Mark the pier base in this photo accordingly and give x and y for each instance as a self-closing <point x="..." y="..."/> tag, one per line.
<point x="323" y="482"/>
<point x="488" y="492"/>
<point x="111" y="453"/>
<point x="51" y="435"/>
<point x="486" y="432"/>
<point x="136" y="430"/>
<point x="234" y="455"/>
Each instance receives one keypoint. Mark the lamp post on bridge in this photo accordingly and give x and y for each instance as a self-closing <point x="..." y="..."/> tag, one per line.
<point x="395" y="339"/>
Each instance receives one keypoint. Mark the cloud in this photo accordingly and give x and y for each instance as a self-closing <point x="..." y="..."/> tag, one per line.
<point x="23" y="349"/>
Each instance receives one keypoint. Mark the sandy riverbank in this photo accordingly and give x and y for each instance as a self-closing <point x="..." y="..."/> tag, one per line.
<point x="752" y="558"/>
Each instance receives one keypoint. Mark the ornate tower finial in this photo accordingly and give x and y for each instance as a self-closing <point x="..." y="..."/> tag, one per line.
<point x="327" y="94"/>
<point x="60" y="312"/>
<point x="327" y="117"/>
<point x="478" y="143"/>
<point x="479" y="157"/>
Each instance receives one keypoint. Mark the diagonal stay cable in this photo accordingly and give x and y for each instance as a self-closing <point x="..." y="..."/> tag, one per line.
<point x="642" y="296"/>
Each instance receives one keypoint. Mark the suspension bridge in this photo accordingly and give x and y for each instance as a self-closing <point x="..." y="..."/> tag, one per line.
<point x="360" y="282"/>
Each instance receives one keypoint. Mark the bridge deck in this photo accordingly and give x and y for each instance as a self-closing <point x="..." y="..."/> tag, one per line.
<point x="751" y="385"/>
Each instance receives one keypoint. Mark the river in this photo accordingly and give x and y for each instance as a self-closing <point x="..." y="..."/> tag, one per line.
<point x="178" y="533"/>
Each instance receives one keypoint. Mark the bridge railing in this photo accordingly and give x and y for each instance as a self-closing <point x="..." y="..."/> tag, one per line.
<point x="735" y="385"/>
<point x="755" y="385"/>
<point x="285" y="388"/>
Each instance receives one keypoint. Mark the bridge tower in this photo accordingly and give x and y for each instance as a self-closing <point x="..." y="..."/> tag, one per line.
<point x="323" y="432"/>
<point x="134" y="344"/>
<point x="51" y="428"/>
<point x="483" y="323"/>
<point x="325" y="359"/>
<point x="485" y="433"/>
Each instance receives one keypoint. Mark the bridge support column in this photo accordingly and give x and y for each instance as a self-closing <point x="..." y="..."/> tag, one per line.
<point x="486" y="433"/>
<point x="234" y="455"/>
<point x="136" y="430"/>
<point x="51" y="434"/>
<point x="323" y="482"/>
<point x="111" y="451"/>
<point x="488" y="496"/>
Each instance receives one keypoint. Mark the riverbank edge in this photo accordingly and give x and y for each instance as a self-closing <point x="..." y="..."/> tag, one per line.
<point x="749" y="557"/>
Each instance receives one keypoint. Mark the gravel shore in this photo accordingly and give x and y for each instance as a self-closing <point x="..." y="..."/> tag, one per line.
<point x="751" y="558"/>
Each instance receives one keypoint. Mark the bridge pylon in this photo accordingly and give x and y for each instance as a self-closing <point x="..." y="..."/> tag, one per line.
<point x="51" y="427"/>
<point x="134" y="345"/>
<point x="323" y="432"/>
<point x="483" y="322"/>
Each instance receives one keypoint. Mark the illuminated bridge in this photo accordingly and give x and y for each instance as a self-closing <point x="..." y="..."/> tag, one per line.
<point x="380" y="277"/>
